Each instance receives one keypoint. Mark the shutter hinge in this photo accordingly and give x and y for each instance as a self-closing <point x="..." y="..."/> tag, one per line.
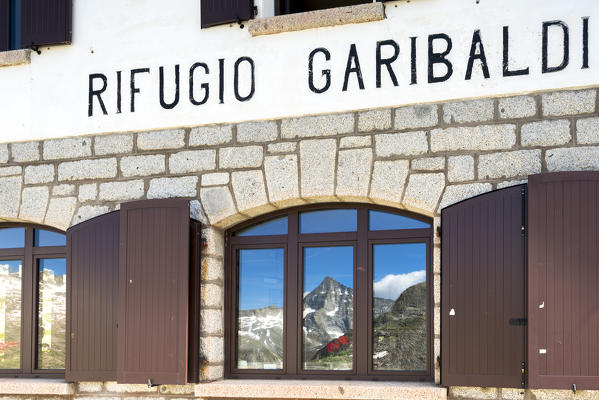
<point x="36" y="49"/>
<point x="439" y="231"/>
<point x="523" y="227"/>
<point x="523" y="375"/>
<point x="241" y="25"/>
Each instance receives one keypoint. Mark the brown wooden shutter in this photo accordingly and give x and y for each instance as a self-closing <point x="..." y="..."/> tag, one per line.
<point x="215" y="12"/>
<point x="563" y="333"/>
<point x="4" y="25"/>
<point x="92" y="271"/>
<point x="45" y="22"/>
<point x="483" y="288"/>
<point x="153" y="292"/>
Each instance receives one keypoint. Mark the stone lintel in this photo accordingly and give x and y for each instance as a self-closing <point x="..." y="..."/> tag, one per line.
<point x="15" y="57"/>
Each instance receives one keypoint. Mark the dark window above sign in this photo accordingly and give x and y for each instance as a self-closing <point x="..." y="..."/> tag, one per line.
<point x="32" y="23"/>
<point x="296" y="6"/>
<point x="218" y="12"/>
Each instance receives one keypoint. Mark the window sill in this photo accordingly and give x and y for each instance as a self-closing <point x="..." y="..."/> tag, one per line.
<point x="278" y="389"/>
<point x="15" y="57"/>
<point x="56" y="387"/>
<point x="317" y="19"/>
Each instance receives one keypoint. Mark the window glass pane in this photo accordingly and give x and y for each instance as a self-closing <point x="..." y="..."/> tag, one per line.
<point x="328" y="312"/>
<point x="11" y="238"/>
<point x="311" y="5"/>
<point x="51" y="313"/>
<point x="273" y="227"/>
<point x="49" y="238"/>
<point x="380" y="221"/>
<point x="399" y="326"/>
<point x="328" y="221"/>
<point x="10" y="314"/>
<point x="260" y="321"/>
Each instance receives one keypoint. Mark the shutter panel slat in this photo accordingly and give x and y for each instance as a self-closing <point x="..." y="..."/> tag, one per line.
<point x="92" y="271"/>
<point x="153" y="292"/>
<point x="45" y="22"/>
<point x="483" y="282"/>
<point x="563" y="279"/>
<point x="215" y="12"/>
<point x="4" y="25"/>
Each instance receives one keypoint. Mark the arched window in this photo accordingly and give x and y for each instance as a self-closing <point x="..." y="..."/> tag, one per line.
<point x="330" y="292"/>
<point x="32" y="301"/>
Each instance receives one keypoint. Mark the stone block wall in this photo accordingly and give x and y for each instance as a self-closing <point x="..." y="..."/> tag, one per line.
<point x="419" y="158"/>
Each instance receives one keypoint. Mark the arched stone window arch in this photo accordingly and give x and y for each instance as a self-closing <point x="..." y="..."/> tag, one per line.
<point x="32" y="300"/>
<point x="339" y="291"/>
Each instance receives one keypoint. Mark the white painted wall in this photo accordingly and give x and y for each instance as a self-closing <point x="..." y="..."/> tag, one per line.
<point x="49" y="97"/>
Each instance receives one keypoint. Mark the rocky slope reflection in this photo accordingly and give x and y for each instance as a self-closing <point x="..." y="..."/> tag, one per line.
<point x="399" y="330"/>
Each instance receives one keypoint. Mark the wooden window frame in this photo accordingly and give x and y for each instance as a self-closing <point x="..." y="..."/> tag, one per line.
<point x="362" y="240"/>
<point x="29" y="299"/>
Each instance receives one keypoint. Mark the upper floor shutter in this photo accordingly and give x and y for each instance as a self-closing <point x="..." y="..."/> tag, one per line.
<point x="563" y="259"/>
<point x="92" y="270"/>
<point x="215" y="12"/>
<point x="153" y="292"/>
<point x="45" y="22"/>
<point x="4" y="25"/>
<point x="483" y="304"/>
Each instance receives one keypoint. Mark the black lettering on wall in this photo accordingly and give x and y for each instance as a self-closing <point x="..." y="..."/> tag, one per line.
<point x="352" y="59"/>
<point x="386" y="61"/>
<point x="163" y="103"/>
<point x="506" y="56"/>
<point x="414" y="76"/>
<point x="221" y="80"/>
<point x="118" y="91"/>
<point x="204" y="86"/>
<point x="325" y="72"/>
<point x="565" y="46"/>
<point x="236" y="79"/>
<point x="439" y="58"/>
<point x="135" y="89"/>
<point x="477" y="52"/>
<point x="96" y="92"/>
<point x="585" y="42"/>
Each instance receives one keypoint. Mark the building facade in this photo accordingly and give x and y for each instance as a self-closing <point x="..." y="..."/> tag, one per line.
<point x="398" y="110"/>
